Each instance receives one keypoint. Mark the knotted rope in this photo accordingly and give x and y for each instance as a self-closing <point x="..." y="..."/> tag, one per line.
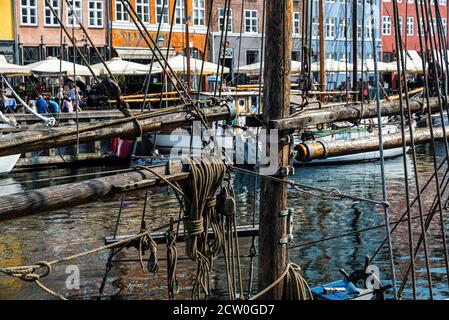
<point x="295" y="286"/>
<point x="172" y="261"/>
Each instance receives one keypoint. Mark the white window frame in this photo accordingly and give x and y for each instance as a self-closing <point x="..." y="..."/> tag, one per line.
<point x="386" y="25"/>
<point x="144" y="7"/>
<point x="121" y="15"/>
<point x="179" y="12"/>
<point x="296" y="23"/>
<point x="342" y="28"/>
<point x="252" y="21"/>
<point x="78" y="11"/>
<point x="158" y="10"/>
<point x="443" y="2"/>
<point x="401" y="25"/>
<point x="410" y="26"/>
<point x="221" y="16"/>
<point x="444" y="23"/>
<point x="98" y="12"/>
<point x="410" y="1"/>
<point x="199" y="13"/>
<point x="329" y="28"/>
<point x="56" y="4"/>
<point x="30" y="9"/>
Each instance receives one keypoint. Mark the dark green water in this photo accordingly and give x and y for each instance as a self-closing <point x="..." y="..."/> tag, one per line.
<point x="65" y="232"/>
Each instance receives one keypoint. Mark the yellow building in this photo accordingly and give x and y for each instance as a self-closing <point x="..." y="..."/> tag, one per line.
<point x="7" y="33"/>
<point x="7" y="20"/>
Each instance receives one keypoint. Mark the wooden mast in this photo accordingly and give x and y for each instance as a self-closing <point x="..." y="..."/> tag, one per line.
<point x="322" y="49"/>
<point x="187" y="18"/>
<point x="276" y="105"/>
<point x="354" y="47"/>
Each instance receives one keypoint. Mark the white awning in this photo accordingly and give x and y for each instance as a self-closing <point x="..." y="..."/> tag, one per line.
<point x="135" y="53"/>
<point x="12" y="69"/>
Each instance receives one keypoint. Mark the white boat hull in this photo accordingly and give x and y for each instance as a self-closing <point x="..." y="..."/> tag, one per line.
<point x="7" y="163"/>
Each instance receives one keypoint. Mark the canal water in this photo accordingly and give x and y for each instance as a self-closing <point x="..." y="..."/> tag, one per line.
<point x="65" y="232"/>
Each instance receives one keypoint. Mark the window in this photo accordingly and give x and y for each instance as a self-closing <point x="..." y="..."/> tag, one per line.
<point x="330" y="56"/>
<point x="221" y="17"/>
<point x="342" y="29"/>
<point x="410" y="30"/>
<point x="143" y="10"/>
<point x="77" y="6"/>
<point x="443" y="2"/>
<point x="410" y="1"/>
<point x="296" y="55"/>
<point x="252" y="56"/>
<point x="251" y="21"/>
<point x="421" y="26"/>
<point x="95" y="13"/>
<point x="50" y="19"/>
<point x="179" y="12"/>
<point x="329" y="27"/>
<point x="315" y="27"/>
<point x="199" y="13"/>
<point x="28" y="12"/>
<point x="162" y="11"/>
<point x="386" y="26"/>
<point x="444" y="23"/>
<point x="30" y="54"/>
<point x="296" y="23"/>
<point x="400" y="26"/>
<point x="120" y="12"/>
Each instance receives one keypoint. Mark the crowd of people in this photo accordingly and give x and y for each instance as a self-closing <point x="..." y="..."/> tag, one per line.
<point x="62" y="102"/>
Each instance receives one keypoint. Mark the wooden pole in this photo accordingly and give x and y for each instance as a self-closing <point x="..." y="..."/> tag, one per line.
<point x="312" y="150"/>
<point x="322" y="49"/>
<point x="354" y="47"/>
<point x="273" y="226"/>
<point x="29" y="141"/>
<point x="187" y="18"/>
<point x="72" y="194"/>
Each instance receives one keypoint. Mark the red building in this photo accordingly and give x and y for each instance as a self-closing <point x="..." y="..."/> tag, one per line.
<point x="408" y="23"/>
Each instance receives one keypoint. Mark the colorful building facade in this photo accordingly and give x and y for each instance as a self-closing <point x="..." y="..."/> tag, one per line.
<point x="128" y="42"/>
<point x="39" y="33"/>
<point x="7" y="30"/>
<point x="408" y="24"/>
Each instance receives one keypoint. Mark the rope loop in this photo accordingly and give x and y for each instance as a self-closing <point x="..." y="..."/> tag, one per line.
<point x="194" y="227"/>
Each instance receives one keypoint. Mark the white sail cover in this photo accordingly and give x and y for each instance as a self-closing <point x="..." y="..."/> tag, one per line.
<point x="254" y="68"/>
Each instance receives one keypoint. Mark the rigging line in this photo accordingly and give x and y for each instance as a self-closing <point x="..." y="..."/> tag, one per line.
<point x="76" y="87"/>
<point x="333" y="192"/>
<point x="80" y="23"/>
<point x="242" y="13"/>
<point x="399" y="58"/>
<point x="354" y="232"/>
<point x="72" y="40"/>
<point x="209" y="20"/>
<point x="147" y="84"/>
<point x="174" y="79"/>
<point x="382" y="156"/>
<point x="170" y="36"/>
<point x="426" y="185"/>
<point x="224" y="51"/>
<point x="220" y="50"/>
<point x="433" y="148"/>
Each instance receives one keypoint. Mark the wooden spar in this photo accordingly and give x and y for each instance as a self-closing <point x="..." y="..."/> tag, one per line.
<point x="312" y="150"/>
<point x="351" y="113"/>
<point x="28" y="141"/>
<point x="72" y="194"/>
<point x="276" y="100"/>
<point x="354" y="47"/>
<point x="322" y="50"/>
<point x="187" y="21"/>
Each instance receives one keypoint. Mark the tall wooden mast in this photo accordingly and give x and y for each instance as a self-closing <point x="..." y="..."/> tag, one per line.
<point x="188" y="18"/>
<point x="322" y="50"/>
<point x="276" y="105"/>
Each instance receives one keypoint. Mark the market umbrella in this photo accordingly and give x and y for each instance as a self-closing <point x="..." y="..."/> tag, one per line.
<point x="368" y="66"/>
<point x="254" y="68"/>
<point x="53" y="65"/>
<point x="179" y="65"/>
<point x="117" y="66"/>
<point x="9" y="69"/>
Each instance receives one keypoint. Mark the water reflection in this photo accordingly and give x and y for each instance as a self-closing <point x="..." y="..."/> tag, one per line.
<point x="65" y="232"/>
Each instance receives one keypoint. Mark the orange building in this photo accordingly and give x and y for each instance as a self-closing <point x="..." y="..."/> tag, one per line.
<point x="127" y="41"/>
<point x="39" y="33"/>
